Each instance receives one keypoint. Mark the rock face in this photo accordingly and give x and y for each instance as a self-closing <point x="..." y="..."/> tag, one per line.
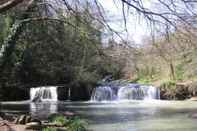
<point x="73" y="93"/>
<point x="80" y="93"/>
<point x="63" y="93"/>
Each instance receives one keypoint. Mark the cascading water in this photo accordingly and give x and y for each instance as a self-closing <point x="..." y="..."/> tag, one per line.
<point x="125" y="92"/>
<point x="43" y="94"/>
<point x="103" y="93"/>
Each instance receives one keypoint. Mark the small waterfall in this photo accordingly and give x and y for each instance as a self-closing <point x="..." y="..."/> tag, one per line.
<point x="152" y="93"/>
<point x="43" y="94"/>
<point x="126" y="92"/>
<point x="103" y="93"/>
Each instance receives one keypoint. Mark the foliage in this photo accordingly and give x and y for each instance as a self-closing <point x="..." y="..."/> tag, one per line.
<point x="144" y="81"/>
<point x="71" y="124"/>
<point x="76" y="124"/>
<point x="169" y="89"/>
<point x="54" y="52"/>
<point x="49" y="129"/>
<point x="60" y="120"/>
<point x="179" y="72"/>
<point x="169" y="84"/>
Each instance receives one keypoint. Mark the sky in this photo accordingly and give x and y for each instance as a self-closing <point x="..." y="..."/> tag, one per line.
<point x="137" y="27"/>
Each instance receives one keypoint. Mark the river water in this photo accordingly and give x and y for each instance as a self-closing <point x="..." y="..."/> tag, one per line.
<point x="153" y="115"/>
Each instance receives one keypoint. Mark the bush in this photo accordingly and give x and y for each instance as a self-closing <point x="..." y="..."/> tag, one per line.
<point x="76" y="124"/>
<point x="144" y="81"/>
<point x="60" y="120"/>
<point x="49" y="129"/>
<point x="72" y="124"/>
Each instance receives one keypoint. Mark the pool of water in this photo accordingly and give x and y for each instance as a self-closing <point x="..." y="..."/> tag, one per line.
<point x="119" y="116"/>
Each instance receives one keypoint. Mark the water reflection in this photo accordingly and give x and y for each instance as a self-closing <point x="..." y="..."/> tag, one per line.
<point x="42" y="109"/>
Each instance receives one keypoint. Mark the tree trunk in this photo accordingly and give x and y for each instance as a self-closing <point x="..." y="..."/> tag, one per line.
<point x="172" y="71"/>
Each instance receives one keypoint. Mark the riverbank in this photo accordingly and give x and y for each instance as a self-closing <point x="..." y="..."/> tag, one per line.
<point x="55" y="122"/>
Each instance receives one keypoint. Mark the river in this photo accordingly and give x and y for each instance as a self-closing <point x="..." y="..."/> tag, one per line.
<point x="133" y="115"/>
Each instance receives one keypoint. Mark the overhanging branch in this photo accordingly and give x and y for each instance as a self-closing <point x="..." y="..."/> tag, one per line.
<point x="9" y="4"/>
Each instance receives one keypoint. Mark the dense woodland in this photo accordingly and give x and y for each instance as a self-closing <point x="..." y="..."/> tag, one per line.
<point x="43" y="44"/>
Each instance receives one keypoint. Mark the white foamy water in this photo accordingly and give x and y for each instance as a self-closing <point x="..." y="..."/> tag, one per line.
<point x="126" y="92"/>
<point x="48" y="93"/>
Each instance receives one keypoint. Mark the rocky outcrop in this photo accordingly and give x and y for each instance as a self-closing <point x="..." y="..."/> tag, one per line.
<point x="178" y="90"/>
<point x="63" y="93"/>
<point x="79" y="93"/>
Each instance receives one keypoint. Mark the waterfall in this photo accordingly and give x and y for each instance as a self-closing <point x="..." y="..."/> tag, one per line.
<point x="125" y="92"/>
<point x="103" y="93"/>
<point x="48" y="93"/>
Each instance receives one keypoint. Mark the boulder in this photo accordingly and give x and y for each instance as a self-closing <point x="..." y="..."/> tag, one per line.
<point x="21" y="119"/>
<point x="193" y="98"/>
<point x="34" y="126"/>
<point x="69" y="114"/>
<point x="28" y="119"/>
<point x="8" y="117"/>
<point x="35" y="120"/>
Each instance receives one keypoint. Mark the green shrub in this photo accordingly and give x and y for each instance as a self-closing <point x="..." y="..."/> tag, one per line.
<point x="169" y="84"/>
<point x="72" y="124"/>
<point x="49" y="129"/>
<point x="144" y="81"/>
<point x="76" y="124"/>
<point x="60" y="120"/>
<point x="169" y="89"/>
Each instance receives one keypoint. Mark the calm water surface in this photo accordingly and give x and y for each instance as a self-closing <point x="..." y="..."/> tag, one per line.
<point x="119" y="116"/>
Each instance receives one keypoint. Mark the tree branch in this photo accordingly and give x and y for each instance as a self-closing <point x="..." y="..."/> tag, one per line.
<point x="9" y="4"/>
